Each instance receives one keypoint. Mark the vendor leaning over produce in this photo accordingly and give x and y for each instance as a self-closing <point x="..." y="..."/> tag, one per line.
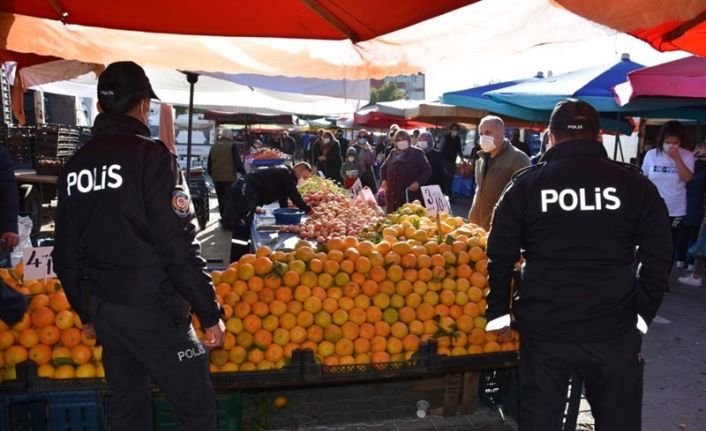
<point x="127" y="256"/>
<point x="580" y="220"/>
<point x="278" y="184"/>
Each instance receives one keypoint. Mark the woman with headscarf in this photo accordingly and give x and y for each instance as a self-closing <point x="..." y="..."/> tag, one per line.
<point x="330" y="159"/>
<point x="406" y="168"/>
<point x="366" y="161"/>
<point x="425" y="142"/>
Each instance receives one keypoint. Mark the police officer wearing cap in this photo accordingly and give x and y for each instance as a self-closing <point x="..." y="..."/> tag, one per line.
<point x="580" y="221"/>
<point x="127" y="256"/>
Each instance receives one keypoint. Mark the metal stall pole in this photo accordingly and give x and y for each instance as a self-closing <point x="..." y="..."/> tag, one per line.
<point x="192" y="79"/>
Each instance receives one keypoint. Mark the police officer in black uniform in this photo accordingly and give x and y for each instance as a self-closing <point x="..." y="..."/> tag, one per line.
<point x="127" y="256"/>
<point x="580" y="221"/>
<point x="262" y="187"/>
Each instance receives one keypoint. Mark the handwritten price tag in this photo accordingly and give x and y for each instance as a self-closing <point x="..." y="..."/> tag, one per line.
<point x="435" y="201"/>
<point x="356" y="188"/>
<point x="38" y="263"/>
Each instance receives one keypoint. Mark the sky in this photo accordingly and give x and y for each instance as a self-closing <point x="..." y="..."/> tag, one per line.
<point x="558" y="58"/>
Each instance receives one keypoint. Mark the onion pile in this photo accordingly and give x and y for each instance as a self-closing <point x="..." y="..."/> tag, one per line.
<point x="336" y="217"/>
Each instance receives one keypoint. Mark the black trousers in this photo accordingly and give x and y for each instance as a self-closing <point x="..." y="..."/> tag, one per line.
<point x="244" y="205"/>
<point x="153" y="343"/>
<point x="611" y="371"/>
<point x="449" y="173"/>
<point x="686" y="237"/>
<point x="222" y="190"/>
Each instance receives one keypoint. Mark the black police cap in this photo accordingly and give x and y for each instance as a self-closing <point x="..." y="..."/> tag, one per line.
<point x="573" y="115"/>
<point x="121" y="81"/>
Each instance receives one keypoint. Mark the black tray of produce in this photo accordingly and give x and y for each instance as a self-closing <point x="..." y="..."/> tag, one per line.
<point x="480" y="362"/>
<point x="290" y="375"/>
<point x="36" y="384"/>
<point x="315" y="373"/>
<point x="49" y="166"/>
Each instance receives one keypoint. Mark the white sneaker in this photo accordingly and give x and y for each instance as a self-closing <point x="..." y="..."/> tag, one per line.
<point x="690" y="280"/>
<point x="681" y="264"/>
<point x="690" y="268"/>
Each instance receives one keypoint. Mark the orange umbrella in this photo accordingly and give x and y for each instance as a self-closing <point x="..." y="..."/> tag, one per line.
<point x="667" y="25"/>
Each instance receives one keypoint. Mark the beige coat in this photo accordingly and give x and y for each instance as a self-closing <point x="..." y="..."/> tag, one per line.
<point x="491" y="179"/>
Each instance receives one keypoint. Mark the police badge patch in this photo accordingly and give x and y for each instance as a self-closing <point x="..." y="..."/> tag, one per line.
<point x="181" y="203"/>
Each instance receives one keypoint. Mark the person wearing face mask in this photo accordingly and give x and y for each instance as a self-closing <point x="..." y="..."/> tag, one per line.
<point x="365" y="157"/>
<point x="689" y="234"/>
<point x="126" y="253"/>
<point x="350" y="171"/>
<point x="670" y="167"/>
<point x="343" y="142"/>
<point x="406" y="168"/>
<point x="330" y="159"/>
<point x="451" y="150"/>
<point x="498" y="161"/>
<point x="425" y="142"/>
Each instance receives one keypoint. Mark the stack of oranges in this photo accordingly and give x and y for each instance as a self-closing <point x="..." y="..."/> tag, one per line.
<point x="49" y="334"/>
<point x="358" y="301"/>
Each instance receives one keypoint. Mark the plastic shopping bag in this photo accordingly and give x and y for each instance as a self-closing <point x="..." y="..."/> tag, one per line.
<point x="24" y="230"/>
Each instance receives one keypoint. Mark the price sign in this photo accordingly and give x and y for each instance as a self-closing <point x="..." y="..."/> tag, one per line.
<point x="356" y="188"/>
<point x="435" y="201"/>
<point x="38" y="263"/>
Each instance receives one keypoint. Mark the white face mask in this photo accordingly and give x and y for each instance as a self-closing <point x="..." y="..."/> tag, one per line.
<point x="402" y="145"/>
<point x="327" y="140"/>
<point x="351" y="159"/>
<point x="423" y="145"/>
<point x="666" y="147"/>
<point x="487" y="143"/>
<point x="362" y="140"/>
<point x="454" y="133"/>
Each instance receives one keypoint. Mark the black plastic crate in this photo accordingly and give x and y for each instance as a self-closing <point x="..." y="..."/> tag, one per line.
<point x="18" y="385"/>
<point x="20" y="143"/>
<point x="56" y="141"/>
<point x="5" y="100"/>
<point x="62" y="411"/>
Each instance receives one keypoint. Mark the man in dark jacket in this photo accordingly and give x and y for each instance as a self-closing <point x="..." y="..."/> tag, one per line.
<point x="224" y="165"/>
<point x="262" y="187"/>
<point x="578" y="219"/>
<point x="9" y="204"/>
<point x="451" y="149"/>
<point x="127" y="256"/>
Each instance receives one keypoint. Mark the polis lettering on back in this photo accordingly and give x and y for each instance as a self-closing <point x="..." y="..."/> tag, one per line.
<point x="570" y="200"/>
<point x="86" y="181"/>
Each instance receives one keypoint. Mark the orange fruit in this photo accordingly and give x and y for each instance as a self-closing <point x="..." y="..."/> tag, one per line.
<point x="297" y="335"/>
<point x="274" y="353"/>
<point x="367" y="331"/>
<point x="40" y="354"/>
<point x="64" y="372"/>
<point x="382" y="329"/>
<point x="71" y="337"/>
<point x="380" y="357"/>
<point x="45" y="371"/>
<point x="39" y="301"/>
<point x="15" y="355"/>
<point x="49" y="335"/>
<point x="315" y="334"/>
<point x="361" y="346"/>
<point x="378" y="344"/>
<point x="350" y="330"/>
<point x="58" y="302"/>
<point x="28" y="337"/>
<point x="262" y="338"/>
<point x="305" y="319"/>
<point x="64" y="319"/>
<point x="81" y="354"/>
<point x="263" y="265"/>
<point x="42" y="316"/>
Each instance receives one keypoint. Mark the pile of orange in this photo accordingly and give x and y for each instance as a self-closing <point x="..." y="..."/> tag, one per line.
<point x="359" y="301"/>
<point x="49" y="334"/>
